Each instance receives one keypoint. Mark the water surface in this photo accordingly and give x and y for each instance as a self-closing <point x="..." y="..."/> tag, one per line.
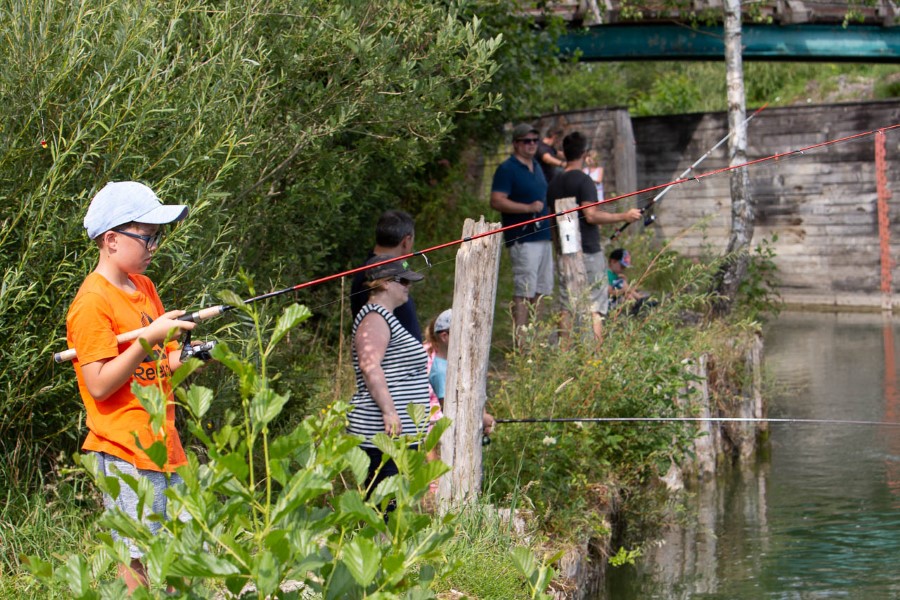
<point x="819" y="517"/>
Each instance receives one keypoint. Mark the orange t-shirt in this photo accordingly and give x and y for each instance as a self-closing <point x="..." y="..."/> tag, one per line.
<point x="99" y="313"/>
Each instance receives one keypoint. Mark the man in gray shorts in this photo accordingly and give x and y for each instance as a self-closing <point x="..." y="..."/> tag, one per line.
<point x="519" y="194"/>
<point x="574" y="182"/>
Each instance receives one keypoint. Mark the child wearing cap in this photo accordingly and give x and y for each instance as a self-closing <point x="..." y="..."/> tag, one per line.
<point x="124" y="220"/>
<point x="438" y="335"/>
<point x="619" y="288"/>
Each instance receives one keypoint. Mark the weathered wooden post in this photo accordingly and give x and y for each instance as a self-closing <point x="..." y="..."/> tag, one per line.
<point x="570" y="262"/>
<point x="474" y="297"/>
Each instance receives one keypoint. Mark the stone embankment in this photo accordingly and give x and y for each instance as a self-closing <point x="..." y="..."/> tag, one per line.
<point x="716" y="393"/>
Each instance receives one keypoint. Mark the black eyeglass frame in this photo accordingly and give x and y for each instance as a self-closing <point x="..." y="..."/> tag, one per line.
<point x="402" y="281"/>
<point x="528" y="140"/>
<point x="149" y="240"/>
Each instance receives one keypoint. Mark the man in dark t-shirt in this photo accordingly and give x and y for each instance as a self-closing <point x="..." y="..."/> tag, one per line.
<point x="395" y="233"/>
<point x="574" y="182"/>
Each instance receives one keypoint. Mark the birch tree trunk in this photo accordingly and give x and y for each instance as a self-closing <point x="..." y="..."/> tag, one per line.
<point x="735" y="269"/>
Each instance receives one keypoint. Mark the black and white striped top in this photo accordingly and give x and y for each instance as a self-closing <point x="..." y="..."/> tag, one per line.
<point x="405" y="366"/>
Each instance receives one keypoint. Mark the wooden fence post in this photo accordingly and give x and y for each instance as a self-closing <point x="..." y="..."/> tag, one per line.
<point x="474" y="297"/>
<point x="570" y="262"/>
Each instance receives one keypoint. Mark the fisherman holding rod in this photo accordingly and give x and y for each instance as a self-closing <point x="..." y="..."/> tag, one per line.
<point x="124" y="220"/>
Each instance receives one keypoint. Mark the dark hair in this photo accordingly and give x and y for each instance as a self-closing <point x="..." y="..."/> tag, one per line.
<point x="392" y="227"/>
<point x="617" y="254"/>
<point x="574" y="145"/>
<point x="554" y="131"/>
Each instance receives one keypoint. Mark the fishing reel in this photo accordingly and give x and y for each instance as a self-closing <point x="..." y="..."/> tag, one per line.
<point x="200" y="351"/>
<point x="649" y="219"/>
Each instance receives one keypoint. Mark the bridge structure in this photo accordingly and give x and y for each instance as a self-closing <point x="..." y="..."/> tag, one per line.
<point x="777" y="30"/>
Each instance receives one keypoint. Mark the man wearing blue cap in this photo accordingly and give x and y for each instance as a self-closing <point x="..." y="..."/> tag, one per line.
<point x="124" y="220"/>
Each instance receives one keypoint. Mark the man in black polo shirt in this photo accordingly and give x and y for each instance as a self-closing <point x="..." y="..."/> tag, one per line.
<point x="395" y="233"/>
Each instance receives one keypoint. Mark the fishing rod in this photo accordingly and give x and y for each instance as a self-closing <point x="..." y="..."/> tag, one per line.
<point x="650" y="217"/>
<point x="700" y="420"/>
<point x="214" y="311"/>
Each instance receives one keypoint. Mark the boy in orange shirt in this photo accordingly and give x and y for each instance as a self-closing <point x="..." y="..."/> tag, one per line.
<point x="124" y="219"/>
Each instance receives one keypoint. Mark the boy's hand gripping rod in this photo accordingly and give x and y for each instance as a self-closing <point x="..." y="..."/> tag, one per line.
<point x="649" y="217"/>
<point x="207" y="313"/>
<point x="215" y="311"/>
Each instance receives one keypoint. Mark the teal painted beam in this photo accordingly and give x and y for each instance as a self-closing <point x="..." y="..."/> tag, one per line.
<point x="801" y="43"/>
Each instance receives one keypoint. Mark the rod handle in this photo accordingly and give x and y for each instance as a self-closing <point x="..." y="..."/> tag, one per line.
<point x="194" y="317"/>
<point x="70" y="354"/>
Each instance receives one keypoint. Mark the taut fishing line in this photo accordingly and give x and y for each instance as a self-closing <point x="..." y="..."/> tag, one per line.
<point x="639" y="420"/>
<point x="214" y="311"/>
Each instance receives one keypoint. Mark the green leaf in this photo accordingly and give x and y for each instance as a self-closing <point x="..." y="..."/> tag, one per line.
<point x="265" y="406"/>
<point x="186" y="369"/>
<point x="423" y="476"/>
<point x="385" y="444"/>
<point x="37" y="567"/>
<point x="437" y="430"/>
<point x="342" y="584"/>
<point x="154" y="402"/>
<point x="198" y="399"/>
<point x="304" y="486"/>
<point x="351" y="502"/>
<point x="203" y="565"/>
<point x="74" y="573"/>
<point x="236" y="463"/>
<point x="231" y="299"/>
<point x="385" y="489"/>
<point x="268" y="575"/>
<point x="359" y="464"/>
<point x="292" y="316"/>
<point x="523" y="559"/>
<point x="362" y="558"/>
<point x="417" y="413"/>
<point x="157" y="452"/>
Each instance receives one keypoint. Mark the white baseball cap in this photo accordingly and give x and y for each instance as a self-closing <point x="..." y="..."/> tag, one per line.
<point x="442" y="323"/>
<point x="121" y="202"/>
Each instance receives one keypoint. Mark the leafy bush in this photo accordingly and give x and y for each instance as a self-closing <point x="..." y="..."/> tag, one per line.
<point x="639" y="371"/>
<point x="286" y="125"/>
<point x="268" y="509"/>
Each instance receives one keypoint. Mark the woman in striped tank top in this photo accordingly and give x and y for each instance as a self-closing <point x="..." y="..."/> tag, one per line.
<point x="391" y="366"/>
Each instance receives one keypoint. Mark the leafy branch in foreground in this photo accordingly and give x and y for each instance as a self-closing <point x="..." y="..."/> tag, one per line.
<point x="263" y="510"/>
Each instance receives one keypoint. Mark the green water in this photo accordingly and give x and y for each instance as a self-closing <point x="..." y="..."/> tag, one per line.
<point x="819" y="517"/>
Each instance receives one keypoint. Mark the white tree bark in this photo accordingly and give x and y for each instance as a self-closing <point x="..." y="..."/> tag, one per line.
<point x="741" y="201"/>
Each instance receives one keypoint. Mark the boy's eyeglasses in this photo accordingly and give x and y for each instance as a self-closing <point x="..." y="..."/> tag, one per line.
<point x="528" y="140"/>
<point x="402" y="281"/>
<point x="149" y="240"/>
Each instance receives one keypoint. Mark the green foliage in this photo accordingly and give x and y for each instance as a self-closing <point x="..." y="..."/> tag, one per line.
<point x="624" y="557"/>
<point x="265" y="509"/>
<point x="528" y="53"/>
<point x="562" y="470"/>
<point x="660" y="88"/>
<point x="286" y="125"/>
<point x="758" y="294"/>
<point x="537" y="575"/>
